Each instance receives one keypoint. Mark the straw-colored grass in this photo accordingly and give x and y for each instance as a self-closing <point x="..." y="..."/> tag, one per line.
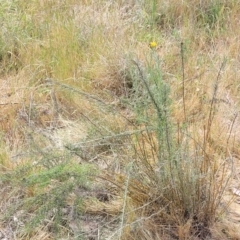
<point x="106" y="137"/>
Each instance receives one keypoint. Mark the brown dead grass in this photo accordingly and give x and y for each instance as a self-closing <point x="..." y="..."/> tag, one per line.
<point x="91" y="52"/>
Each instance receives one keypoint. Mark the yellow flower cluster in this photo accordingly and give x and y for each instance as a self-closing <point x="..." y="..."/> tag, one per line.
<point x="153" y="44"/>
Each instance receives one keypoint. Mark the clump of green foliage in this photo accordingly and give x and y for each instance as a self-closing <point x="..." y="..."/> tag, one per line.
<point x="47" y="192"/>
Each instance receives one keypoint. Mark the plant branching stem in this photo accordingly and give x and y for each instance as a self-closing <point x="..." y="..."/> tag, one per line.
<point x="159" y="112"/>
<point x="213" y="100"/>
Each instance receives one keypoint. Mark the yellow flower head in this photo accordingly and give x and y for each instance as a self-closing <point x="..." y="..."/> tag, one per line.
<point x="153" y="44"/>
